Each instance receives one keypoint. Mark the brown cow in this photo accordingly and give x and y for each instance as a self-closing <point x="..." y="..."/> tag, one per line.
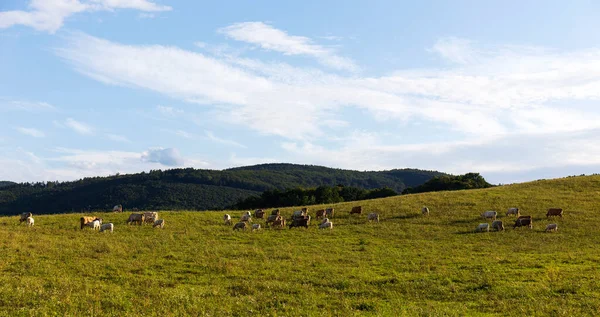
<point x="259" y="214"/>
<point x="320" y="213"/>
<point x="554" y="212"/>
<point x="522" y="222"/>
<point x="329" y="212"/>
<point x="300" y="222"/>
<point x="136" y="218"/>
<point x="85" y="221"/>
<point x="279" y="223"/>
<point x="356" y="210"/>
<point x="24" y="216"/>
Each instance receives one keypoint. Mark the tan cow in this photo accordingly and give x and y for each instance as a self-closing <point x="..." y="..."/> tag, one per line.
<point x="279" y="223"/>
<point x="356" y="210"/>
<point x="554" y="212"/>
<point x="160" y="223"/>
<point x="86" y="221"/>
<point x="118" y="208"/>
<point x="136" y="218"/>
<point x="150" y="217"/>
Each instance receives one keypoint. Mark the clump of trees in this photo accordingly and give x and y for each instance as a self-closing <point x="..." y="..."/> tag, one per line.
<point x="311" y="196"/>
<point x="450" y="182"/>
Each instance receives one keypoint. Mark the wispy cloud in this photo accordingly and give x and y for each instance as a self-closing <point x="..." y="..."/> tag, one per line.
<point x="270" y="38"/>
<point x="49" y="16"/>
<point x="167" y="157"/>
<point x="31" y="132"/>
<point x="117" y="138"/>
<point x="79" y="127"/>
<point x="216" y="139"/>
<point x="168" y="111"/>
<point x="29" y="106"/>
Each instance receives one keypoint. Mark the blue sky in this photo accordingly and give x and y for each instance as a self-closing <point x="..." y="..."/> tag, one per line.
<point x="509" y="89"/>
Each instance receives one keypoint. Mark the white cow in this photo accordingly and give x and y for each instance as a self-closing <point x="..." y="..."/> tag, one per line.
<point x="513" y="211"/>
<point x="489" y="214"/>
<point x="483" y="227"/>
<point x="373" y="216"/>
<point x="325" y="225"/>
<point x="227" y="219"/>
<point x="29" y="221"/>
<point x="95" y="224"/>
<point x="255" y="226"/>
<point x="107" y="227"/>
<point x="552" y="227"/>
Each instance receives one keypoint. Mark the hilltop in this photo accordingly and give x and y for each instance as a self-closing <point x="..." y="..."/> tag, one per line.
<point x="192" y="189"/>
<point x="406" y="265"/>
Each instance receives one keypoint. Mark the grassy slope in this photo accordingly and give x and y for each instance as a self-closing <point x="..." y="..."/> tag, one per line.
<point x="406" y="265"/>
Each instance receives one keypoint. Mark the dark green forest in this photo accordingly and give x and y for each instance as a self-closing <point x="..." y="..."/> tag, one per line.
<point x="193" y="189"/>
<point x="450" y="182"/>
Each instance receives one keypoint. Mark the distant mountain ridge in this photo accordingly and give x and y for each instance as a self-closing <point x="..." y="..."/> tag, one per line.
<point x="191" y="189"/>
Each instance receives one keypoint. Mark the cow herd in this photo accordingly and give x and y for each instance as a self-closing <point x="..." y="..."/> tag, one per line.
<point x="299" y="218"/>
<point x="96" y="223"/>
<point x="521" y="221"/>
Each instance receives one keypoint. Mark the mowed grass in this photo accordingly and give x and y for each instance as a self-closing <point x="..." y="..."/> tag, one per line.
<point x="406" y="265"/>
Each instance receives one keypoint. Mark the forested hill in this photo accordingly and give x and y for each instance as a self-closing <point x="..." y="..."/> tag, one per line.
<point x="191" y="189"/>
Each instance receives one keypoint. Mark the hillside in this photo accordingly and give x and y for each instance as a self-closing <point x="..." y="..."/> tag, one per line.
<point x="406" y="265"/>
<point x="6" y="183"/>
<point x="191" y="189"/>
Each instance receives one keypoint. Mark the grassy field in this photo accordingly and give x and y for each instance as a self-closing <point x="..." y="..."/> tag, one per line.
<point x="407" y="264"/>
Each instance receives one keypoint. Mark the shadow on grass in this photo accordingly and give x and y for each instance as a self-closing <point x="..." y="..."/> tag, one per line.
<point x="409" y="216"/>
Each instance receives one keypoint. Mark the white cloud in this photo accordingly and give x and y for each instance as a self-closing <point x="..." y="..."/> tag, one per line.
<point x="49" y="15"/>
<point x="31" y="132"/>
<point x="270" y="38"/>
<point x="524" y="94"/>
<point x="216" y="139"/>
<point x="167" y="157"/>
<point x="169" y="111"/>
<point x="79" y="127"/>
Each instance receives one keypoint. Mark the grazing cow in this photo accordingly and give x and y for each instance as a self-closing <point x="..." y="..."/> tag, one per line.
<point x="227" y="219"/>
<point x="240" y="225"/>
<point x="298" y="214"/>
<point x="300" y="222"/>
<point x="513" y="211"/>
<point x="320" y="213"/>
<point x="373" y="216"/>
<point x="259" y="213"/>
<point x="305" y="210"/>
<point x="554" y="212"/>
<point x="329" y="212"/>
<point x="246" y="218"/>
<point x="524" y="217"/>
<point x="325" y="220"/>
<point x="275" y="212"/>
<point x="95" y="224"/>
<point x="552" y="227"/>
<point x="159" y="223"/>
<point x="498" y="225"/>
<point x="489" y="214"/>
<point x="522" y="222"/>
<point x="136" y="218"/>
<point x="356" y="210"/>
<point x="118" y="208"/>
<point x="483" y="227"/>
<point x="86" y="221"/>
<point x="107" y="227"/>
<point x="272" y="219"/>
<point x="425" y="211"/>
<point x="29" y="221"/>
<point x="256" y="226"/>
<point x="24" y="216"/>
<point x="247" y="213"/>
<point x="150" y="217"/>
<point x="326" y="225"/>
<point x="279" y="223"/>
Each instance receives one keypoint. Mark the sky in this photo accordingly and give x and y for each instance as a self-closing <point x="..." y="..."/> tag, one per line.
<point x="508" y="89"/>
